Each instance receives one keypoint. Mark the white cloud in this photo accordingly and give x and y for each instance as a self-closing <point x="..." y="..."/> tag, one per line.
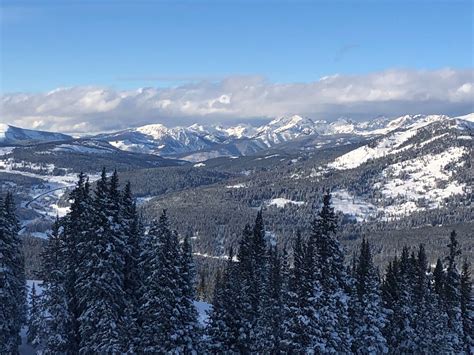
<point x="390" y="92"/>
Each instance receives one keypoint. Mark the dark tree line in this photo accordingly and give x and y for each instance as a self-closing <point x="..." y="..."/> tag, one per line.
<point x="112" y="285"/>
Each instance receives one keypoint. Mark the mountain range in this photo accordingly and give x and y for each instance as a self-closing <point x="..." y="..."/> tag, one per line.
<point x="198" y="142"/>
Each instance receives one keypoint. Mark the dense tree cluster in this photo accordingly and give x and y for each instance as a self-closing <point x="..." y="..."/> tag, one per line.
<point x="113" y="285"/>
<point x="109" y="287"/>
<point x="319" y="305"/>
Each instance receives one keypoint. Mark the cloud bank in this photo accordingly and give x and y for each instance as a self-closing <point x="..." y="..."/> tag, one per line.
<point x="390" y="93"/>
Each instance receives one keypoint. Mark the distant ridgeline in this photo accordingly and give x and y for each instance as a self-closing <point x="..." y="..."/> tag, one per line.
<point x="115" y="283"/>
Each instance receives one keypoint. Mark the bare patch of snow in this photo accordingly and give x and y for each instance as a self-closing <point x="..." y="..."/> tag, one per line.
<point x="282" y="202"/>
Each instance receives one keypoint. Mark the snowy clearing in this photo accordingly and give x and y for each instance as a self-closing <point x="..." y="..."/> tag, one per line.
<point x="282" y="202"/>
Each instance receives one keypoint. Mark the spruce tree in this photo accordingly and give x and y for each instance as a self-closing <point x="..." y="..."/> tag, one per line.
<point x="165" y="312"/>
<point x="100" y="284"/>
<point x="438" y="278"/>
<point x="12" y="279"/>
<point x="331" y="272"/>
<point x="370" y="317"/>
<point x="36" y="322"/>
<point x="429" y="320"/>
<point x="253" y="265"/>
<point x="452" y="295"/>
<point x="301" y="327"/>
<point x="224" y="326"/>
<point x="467" y="308"/>
<point x="132" y="283"/>
<point x="191" y="331"/>
<point x="403" y="323"/>
<point x="58" y="324"/>
<point x="269" y="325"/>
<point x="75" y="253"/>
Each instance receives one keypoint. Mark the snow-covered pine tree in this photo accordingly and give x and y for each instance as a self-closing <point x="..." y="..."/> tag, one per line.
<point x="467" y="307"/>
<point x="36" y="321"/>
<point x="333" y="278"/>
<point x="390" y="296"/>
<point x="100" y="283"/>
<point x="452" y="295"/>
<point x="191" y="331"/>
<point x="269" y="325"/>
<point x="242" y="285"/>
<point x="224" y="328"/>
<point x="301" y="327"/>
<point x="58" y="325"/>
<point x="75" y="252"/>
<point x="429" y="320"/>
<point x="253" y="262"/>
<point x="12" y="279"/>
<point x="165" y="327"/>
<point x="248" y="299"/>
<point x="133" y="283"/>
<point x="369" y="314"/>
<point x="402" y="320"/>
<point x="438" y="278"/>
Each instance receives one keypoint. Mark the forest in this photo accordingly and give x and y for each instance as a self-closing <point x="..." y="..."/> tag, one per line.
<point x="114" y="282"/>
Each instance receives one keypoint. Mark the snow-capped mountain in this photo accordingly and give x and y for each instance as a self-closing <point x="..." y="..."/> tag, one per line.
<point x="10" y="135"/>
<point x="160" y="140"/>
<point x="198" y="142"/>
<point x="284" y="129"/>
<point x="419" y="165"/>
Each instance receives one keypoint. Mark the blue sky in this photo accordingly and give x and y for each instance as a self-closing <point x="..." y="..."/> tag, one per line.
<point x="130" y="44"/>
<point x="92" y="65"/>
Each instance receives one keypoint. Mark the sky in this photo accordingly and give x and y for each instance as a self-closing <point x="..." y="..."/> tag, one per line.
<point x="82" y="66"/>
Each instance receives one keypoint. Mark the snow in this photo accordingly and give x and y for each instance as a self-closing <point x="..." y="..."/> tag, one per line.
<point x="469" y="117"/>
<point x="386" y="146"/>
<point x="420" y="179"/>
<point x="236" y="186"/>
<point x="282" y="202"/>
<point x="351" y="205"/>
<point x="199" y="165"/>
<point x="156" y="131"/>
<point x="5" y="150"/>
<point x="203" y="309"/>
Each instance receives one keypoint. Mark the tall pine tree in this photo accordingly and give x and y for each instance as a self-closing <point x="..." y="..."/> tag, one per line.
<point x="369" y="314"/>
<point x="12" y="279"/>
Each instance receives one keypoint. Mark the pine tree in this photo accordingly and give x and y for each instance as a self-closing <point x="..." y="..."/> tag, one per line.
<point x="12" y="279"/>
<point x="58" y="323"/>
<point x="269" y="325"/>
<point x="402" y="320"/>
<point x="439" y="278"/>
<point x="166" y="314"/>
<point x="75" y="252"/>
<point x="224" y="326"/>
<point x="467" y="308"/>
<point x="36" y="320"/>
<point x="253" y="264"/>
<point x="132" y="284"/>
<point x="429" y="320"/>
<point x="329" y="264"/>
<point x="102" y="298"/>
<point x="190" y="326"/>
<point x="452" y="295"/>
<point x="301" y="327"/>
<point x="370" y="317"/>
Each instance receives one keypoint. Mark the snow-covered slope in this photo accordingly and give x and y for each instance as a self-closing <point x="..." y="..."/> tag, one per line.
<point x="420" y="165"/>
<point x="10" y="135"/>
